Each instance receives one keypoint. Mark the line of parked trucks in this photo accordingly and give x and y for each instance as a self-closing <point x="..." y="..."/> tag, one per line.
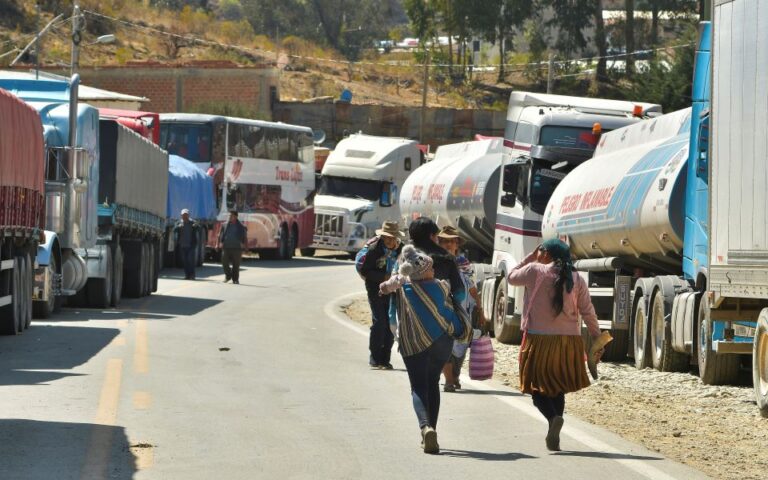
<point x="665" y="214"/>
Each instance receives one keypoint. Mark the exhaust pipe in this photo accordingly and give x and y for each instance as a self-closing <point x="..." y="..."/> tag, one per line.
<point x="74" y="85"/>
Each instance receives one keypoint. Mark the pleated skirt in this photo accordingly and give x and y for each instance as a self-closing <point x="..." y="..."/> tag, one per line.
<point x="552" y="364"/>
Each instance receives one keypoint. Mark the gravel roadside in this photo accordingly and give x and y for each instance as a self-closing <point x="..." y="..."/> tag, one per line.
<point x="716" y="430"/>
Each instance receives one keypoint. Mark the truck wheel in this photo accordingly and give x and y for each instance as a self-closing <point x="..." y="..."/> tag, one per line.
<point x="504" y="331"/>
<point x="641" y="343"/>
<point x="53" y="304"/>
<point x="760" y="363"/>
<point x="27" y="281"/>
<point x="307" y="252"/>
<point x="151" y="268"/>
<point x="99" y="290"/>
<point x="10" y="315"/>
<point x="664" y="358"/>
<point x="133" y="269"/>
<point x="714" y="369"/>
<point x="146" y="263"/>
<point x="117" y="275"/>
<point x="157" y="256"/>
<point x="294" y="242"/>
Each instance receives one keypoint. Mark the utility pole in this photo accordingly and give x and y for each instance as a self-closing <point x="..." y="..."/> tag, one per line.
<point x="550" y="73"/>
<point x="77" y="25"/>
<point x="424" y="94"/>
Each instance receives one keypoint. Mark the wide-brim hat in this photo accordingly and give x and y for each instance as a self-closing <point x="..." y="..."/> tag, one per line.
<point x="451" y="232"/>
<point x="390" y="229"/>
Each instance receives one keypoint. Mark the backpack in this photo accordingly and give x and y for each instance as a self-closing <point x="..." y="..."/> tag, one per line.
<point x="363" y="253"/>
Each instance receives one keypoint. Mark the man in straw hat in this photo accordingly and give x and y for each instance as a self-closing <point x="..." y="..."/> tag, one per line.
<point x="374" y="263"/>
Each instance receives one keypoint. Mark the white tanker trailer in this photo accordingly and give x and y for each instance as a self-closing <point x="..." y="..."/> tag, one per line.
<point x="623" y="214"/>
<point x="458" y="188"/>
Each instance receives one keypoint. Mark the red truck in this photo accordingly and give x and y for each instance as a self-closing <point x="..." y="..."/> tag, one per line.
<point x="22" y="209"/>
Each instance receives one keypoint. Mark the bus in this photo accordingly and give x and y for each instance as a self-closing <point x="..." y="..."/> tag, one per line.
<point x="262" y="170"/>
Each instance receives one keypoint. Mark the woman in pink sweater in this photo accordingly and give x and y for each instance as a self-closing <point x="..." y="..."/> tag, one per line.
<point x="552" y="353"/>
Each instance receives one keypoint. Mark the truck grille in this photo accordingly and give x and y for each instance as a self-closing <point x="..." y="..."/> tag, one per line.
<point x="329" y="225"/>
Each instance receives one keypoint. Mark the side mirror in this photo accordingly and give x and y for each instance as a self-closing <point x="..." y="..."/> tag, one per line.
<point x="386" y="195"/>
<point x="702" y="153"/>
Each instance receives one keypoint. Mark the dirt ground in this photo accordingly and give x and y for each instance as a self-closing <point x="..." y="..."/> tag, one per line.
<point x="717" y="430"/>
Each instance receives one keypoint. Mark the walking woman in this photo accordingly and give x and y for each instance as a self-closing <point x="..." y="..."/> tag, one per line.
<point x="427" y="326"/>
<point x="552" y="353"/>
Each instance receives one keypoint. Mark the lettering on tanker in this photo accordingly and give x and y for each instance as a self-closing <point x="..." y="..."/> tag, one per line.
<point x="587" y="201"/>
<point x="435" y="192"/>
<point x="416" y="195"/>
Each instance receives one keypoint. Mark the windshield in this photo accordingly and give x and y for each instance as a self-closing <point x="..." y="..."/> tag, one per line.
<point x="543" y="184"/>
<point x="246" y="198"/>
<point x="349" y="188"/>
<point x="191" y="141"/>
<point x="569" y="137"/>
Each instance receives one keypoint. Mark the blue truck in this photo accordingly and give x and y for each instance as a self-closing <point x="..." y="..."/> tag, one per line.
<point x="668" y="222"/>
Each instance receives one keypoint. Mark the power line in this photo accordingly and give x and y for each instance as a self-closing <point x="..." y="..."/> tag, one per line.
<point x="405" y="64"/>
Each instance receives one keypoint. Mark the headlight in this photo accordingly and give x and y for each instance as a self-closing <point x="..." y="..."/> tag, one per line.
<point x="358" y="231"/>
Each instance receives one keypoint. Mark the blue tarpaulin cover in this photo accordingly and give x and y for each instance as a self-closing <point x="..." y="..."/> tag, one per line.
<point x="189" y="187"/>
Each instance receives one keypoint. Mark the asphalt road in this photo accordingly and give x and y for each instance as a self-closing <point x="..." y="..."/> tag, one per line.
<point x="265" y="379"/>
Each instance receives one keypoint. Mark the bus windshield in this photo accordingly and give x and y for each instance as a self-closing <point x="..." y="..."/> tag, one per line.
<point x="191" y="141"/>
<point x="350" y="188"/>
<point x="569" y="137"/>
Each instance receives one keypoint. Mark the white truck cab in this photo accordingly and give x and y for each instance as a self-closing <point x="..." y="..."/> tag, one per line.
<point x="359" y="189"/>
<point x="546" y="136"/>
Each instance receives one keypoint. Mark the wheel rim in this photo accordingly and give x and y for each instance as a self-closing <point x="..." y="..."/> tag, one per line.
<point x="762" y="362"/>
<point x="639" y="331"/>
<point x="657" y="333"/>
<point x="501" y="309"/>
<point x="703" y="336"/>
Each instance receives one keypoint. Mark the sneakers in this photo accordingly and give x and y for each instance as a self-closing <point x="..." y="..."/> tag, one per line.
<point x="449" y="387"/>
<point x="236" y="282"/>
<point x="553" y="435"/>
<point x="429" y="440"/>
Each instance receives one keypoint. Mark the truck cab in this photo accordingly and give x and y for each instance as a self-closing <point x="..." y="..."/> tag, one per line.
<point x="546" y="137"/>
<point x="359" y="189"/>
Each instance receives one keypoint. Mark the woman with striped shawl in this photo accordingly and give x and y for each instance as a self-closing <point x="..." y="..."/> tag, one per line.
<point x="427" y="326"/>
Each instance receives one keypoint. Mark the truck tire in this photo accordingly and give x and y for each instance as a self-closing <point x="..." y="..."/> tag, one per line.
<point x="117" y="274"/>
<point x="663" y="357"/>
<point x="294" y="241"/>
<point x="99" y="290"/>
<point x="10" y="315"/>
<point x="641" y="342"/>
<point x="152" y="270"/>
<point x="147" y="264"/>
<point x="284" y="251"/>
<point x="714" y="369"/>
<point x="53" y="304"/>
<point x="133" y="269"/>
<point x="307" y="252"/>
<point x="28" y="286"/>
<point x="504" y="331"/>
<point x="760" y="363"/>
<point x="157" y="256"/>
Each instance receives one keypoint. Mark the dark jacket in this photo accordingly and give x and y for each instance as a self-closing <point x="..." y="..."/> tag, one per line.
<point x="195" y="232"/>
<point x="242" y="233"/>
<point x="371" y="262"/>
<point x="444" y="265"/>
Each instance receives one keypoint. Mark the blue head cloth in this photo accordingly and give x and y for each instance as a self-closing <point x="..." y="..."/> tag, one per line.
<point x="561" y="254"/>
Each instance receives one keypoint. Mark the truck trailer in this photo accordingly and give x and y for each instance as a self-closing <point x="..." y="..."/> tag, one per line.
<point x="22" y="209"/>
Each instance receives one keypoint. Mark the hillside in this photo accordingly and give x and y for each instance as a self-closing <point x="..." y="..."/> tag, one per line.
<point x="148" y="34"/>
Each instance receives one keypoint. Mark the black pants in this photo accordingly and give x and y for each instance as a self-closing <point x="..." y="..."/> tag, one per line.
<point x="381" y="339"/>
<point x="550" y="407"/>
<point x="230" y="260"/>
<point x="189" y="260"/>
<point x="424" y="371"/>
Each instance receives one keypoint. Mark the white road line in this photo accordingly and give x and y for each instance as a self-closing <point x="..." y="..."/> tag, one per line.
<point x="641" y="467"/>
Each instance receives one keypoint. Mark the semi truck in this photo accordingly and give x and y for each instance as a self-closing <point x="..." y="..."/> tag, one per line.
<point x="22" y="209"/>
<point x="359" y="189"/>
<point x="675" y="252"/>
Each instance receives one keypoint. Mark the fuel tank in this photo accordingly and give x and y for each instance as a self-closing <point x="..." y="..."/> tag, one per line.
<point x="458" y="188"/>
<point x="628" y="200"/>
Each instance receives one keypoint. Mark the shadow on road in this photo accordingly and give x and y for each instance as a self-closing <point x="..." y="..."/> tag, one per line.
<point x="57" y="450"/>
<point x="487" y="456"/>
<point x="609" y="455"/>
<point x="155" y="307"/>
<point x="500" y="393"/>
<point x="43" y="348"/>
<point x="296" y="262"/>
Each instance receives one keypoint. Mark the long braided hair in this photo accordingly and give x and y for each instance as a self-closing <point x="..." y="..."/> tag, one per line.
<point x="561" y="255"/>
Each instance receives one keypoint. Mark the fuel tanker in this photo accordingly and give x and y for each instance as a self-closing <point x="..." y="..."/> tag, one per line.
<point x="458" y="188"/>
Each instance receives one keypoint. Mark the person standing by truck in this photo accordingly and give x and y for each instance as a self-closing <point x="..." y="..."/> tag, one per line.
<point x="232" y="242"/>
<point x="552" y="352"/>
<point x="374" y="263"/>
<point x="187" y="231"/>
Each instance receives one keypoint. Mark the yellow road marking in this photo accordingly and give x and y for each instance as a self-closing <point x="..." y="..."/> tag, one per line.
<point x="119" y="341"/>
<point x="142" y="400"/>
<point x="122" y="323"/>
<point x="97" y="457"/>
<point x="141" y="351"/>
<point x="144" y="457"/>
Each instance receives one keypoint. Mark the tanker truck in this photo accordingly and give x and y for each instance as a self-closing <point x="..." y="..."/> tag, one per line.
<point x="675" y="246"/>
<point x="22" y="209"/>
<point x="359" y="189"/>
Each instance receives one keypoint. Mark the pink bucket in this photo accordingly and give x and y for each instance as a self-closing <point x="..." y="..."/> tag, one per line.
<point x="481" y="359"/>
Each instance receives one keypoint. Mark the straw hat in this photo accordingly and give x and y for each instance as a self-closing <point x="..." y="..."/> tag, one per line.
<point x="390" y="229"/>
<point x="450" y="232"/>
